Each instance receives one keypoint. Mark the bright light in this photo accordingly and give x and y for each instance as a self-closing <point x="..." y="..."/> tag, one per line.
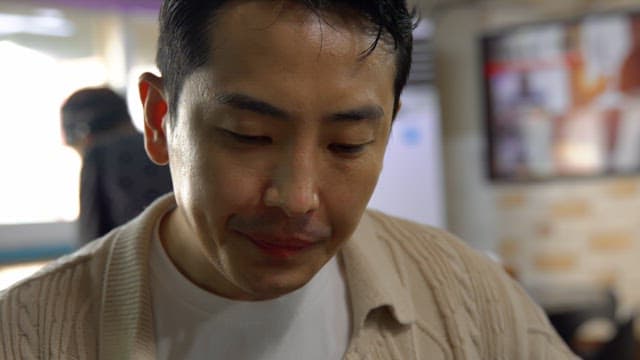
<point x="40" y="175"/>
<point x="12" y="274"/>
<point x="46" y="23"/>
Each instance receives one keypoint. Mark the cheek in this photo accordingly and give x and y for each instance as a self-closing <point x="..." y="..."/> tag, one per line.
<point x="199" y="182"/>
<point x="347" y="200"/>
<point x="226" y="186"/>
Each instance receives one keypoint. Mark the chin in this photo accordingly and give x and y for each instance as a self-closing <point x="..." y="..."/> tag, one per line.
<point x="267" y="285"/>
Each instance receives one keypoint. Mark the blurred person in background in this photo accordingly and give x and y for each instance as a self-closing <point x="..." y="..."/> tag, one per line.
<point x="117" y="180"/>
<point x="274" y="117"/>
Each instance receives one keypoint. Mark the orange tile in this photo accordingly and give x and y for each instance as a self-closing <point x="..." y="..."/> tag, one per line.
<point x="576" y="208"/>
<point x="624" y="188"/>
<point x="555" y="262"/>
<point x="508" y="248"/>
<point x="511" y="201"/>
<point x="615" y="241"/>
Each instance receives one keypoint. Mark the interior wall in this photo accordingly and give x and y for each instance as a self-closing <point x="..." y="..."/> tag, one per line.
<point x="467" y="192"/>
<point x="552" y="233"/>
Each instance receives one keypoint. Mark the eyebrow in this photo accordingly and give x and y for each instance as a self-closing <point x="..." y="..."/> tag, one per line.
<point x="246" y="102"/>
<point x="373" y="113"/>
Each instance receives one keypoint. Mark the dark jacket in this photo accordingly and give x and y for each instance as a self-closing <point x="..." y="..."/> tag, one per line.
<point x="117" y="182"/>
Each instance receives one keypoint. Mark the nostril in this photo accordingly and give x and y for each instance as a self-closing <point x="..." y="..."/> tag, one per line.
<point x="293" y="201"/>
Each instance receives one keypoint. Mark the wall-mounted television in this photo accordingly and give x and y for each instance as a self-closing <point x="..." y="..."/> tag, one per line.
<point x="563" y="98"/>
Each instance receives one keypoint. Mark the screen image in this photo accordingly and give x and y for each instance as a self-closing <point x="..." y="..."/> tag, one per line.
<point x="563" y="98"/>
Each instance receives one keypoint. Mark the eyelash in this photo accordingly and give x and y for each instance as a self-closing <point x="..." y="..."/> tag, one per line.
<point x="347" y="149"/>
<point x="248" y="139"/>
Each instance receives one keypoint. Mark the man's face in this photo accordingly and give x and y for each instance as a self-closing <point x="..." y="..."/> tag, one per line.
<point x="278" y="144"/>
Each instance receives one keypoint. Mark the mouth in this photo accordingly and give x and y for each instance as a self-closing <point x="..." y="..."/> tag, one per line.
<point x="279" y="247"/>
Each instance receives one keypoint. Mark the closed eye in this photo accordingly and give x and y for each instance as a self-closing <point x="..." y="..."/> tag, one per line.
<point x="348" y="149"/>
<point x="247" y="139"/>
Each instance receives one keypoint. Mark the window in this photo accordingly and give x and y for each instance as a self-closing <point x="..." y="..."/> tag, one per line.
<point x="40" y="174"/>
<point x="45" y="55"/>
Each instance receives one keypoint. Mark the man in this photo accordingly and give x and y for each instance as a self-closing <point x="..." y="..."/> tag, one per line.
<point x="274" y="117"/>
<point x="117" y="180"/>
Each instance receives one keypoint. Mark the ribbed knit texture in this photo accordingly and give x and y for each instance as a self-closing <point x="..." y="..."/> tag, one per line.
<point x="415" y="292"/>
<point x="470" y="308"/>
<point x="127" y="296"/>
<point x="58" y="328"/>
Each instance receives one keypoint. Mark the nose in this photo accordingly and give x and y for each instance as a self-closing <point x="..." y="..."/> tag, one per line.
<point x="293" y="187"/>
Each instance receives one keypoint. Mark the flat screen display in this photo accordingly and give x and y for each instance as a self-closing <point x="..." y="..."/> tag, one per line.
<point x="563" y="98"/>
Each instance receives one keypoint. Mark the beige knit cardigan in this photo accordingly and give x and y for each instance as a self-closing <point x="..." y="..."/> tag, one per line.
<point x="416" y="293"/>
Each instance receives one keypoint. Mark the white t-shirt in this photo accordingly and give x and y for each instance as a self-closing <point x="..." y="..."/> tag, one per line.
<point x="310" y="323"/>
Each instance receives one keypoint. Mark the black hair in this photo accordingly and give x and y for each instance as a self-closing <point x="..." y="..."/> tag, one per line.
<point x="183" y="44"/>
<point x="91" y="111"/>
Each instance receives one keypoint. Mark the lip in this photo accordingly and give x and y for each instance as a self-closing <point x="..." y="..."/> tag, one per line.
<point x="279" y="247"/>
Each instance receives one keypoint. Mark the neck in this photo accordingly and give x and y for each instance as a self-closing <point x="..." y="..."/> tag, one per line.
<point x="187" y="255"/>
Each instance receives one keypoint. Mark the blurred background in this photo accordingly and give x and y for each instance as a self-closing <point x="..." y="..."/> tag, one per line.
<point x="519" y="132"/>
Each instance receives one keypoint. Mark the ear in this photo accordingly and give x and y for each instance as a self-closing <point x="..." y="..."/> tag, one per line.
<point x="155" y="111"/>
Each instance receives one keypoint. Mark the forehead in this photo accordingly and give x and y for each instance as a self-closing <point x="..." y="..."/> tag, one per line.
<point x="241" y="20"/>
<point x="289" y="57"/>
<point x="248" y="36"/>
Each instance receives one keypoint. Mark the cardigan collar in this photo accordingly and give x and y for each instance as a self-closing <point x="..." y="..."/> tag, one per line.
<point x="126" y="321"/>
<point x="374" y="280"/>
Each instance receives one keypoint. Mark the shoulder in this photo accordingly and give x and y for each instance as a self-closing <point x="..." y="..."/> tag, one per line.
<point x="80" y="264"/>
<point x="435" y="249"/>
<point x="56" y="309"/>
<point x="425" y="255"/>
<point x="60" y="300"/>
<point x="417" y="241"/>
<point x="480" y="298"/>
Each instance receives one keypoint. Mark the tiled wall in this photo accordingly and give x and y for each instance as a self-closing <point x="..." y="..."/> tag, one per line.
<point x="552" y="233"/>
<point x="566" y="233"/>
